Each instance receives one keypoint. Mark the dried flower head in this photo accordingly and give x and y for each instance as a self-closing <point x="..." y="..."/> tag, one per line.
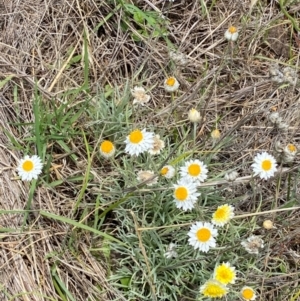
<point x="275" y="74"/>
<point x="157" y="146"/>
<point x="287" y="75"/>
<point x="290" y="75"/>
<point x="140" y="96"/>
<point x="179" y="58"/>
<point x="147" y="175"/>
<point x="252" y="244"/>
<point x="275" y="118"/>
<point x="231" y="176"/>
<point x="171" y="251"/>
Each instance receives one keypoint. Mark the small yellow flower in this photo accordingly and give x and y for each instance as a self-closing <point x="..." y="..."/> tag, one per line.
<point x="223" y="215"/>
<point x="248" y="293"/>
<point x="225" y="273"/>
<point x="171" y="84"/>
<point x="291" y="149"/>
<point x="231" y="33"/>
<point x="213" y="289"/>
<point x="168" y="171"/>
<point x="107" y="149"/>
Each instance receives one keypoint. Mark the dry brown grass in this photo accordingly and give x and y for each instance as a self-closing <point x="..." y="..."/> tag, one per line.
<point x="39" y="38"/>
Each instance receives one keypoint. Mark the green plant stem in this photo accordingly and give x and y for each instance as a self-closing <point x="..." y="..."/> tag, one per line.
<point x="284" y="11"/>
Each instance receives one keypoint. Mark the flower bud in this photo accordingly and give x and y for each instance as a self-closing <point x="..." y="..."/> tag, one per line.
<point x="194" y="116"/>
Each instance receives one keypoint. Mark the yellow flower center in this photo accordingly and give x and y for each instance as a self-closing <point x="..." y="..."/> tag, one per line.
<point x="28" y="165"/>
<point x="247" y="293"/>
<point x="292" y="148"/>
<point x="106" y="146"/>
<point x="171" y="81"/>
<point x="266" y="165"/>
<point x="221" y="213"/>
<point x="164" y="171"/>
<point x="181" y="193"/>
<point x="214" y="290"/>
<point x="232" y="29"/>
<point x="136" y="136"/>
<point x="203" y="234"/>
<point x="225" y="274"/>
<point x="194" y="170"/>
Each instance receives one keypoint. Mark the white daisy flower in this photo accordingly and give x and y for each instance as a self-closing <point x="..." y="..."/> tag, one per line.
<point x="185" y="194"/>
<point x="194" y="115"/>
<point x="107" y="149"/>
<point x="146" y="175"/>
<point x="168" y="171"/>
<point x="171" y="84"/>
<point x="231" y="34"/>
<point x="248" y="293"/>
<point x="157" y="146"/>
<point x="223" y="215"/>
<point x="290" y="149"/>
<point x="202" y="236"/>
<point x="194" y="170"/>
<point x="264" y="165"/>
<point x="140" y="96"/>
<point x="29" y="168"/>
<point x="138" y="142"/>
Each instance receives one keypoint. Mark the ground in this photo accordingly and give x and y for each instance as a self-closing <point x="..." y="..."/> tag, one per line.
<point x="87" y="229"/>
